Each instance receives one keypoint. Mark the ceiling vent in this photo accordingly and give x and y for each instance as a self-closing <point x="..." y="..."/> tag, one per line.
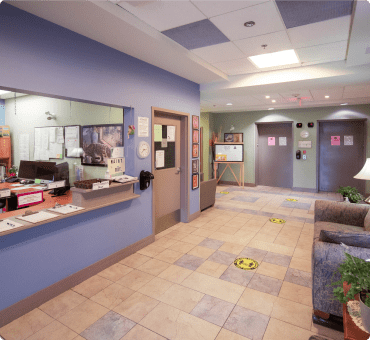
<point x="297" y="98"/>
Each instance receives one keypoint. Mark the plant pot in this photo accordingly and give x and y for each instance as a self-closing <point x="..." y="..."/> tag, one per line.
<point x="346" y="200"/>
<point x="365" y="315"/>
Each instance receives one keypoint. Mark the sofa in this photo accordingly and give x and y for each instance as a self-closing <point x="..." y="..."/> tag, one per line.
<point x="336" y="223"/>
<point x="207" y="193"/>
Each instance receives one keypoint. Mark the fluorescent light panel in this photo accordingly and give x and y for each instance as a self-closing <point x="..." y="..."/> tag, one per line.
<point x="3" y="92"/>
<point x="275" y="59"/>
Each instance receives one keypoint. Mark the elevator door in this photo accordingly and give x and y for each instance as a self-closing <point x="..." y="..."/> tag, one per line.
<point x="275" y="155"/>
<point x="343" y="157"/>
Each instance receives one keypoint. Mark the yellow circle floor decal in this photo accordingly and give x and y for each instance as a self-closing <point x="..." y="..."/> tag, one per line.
<point x="245" y="263"/>
<point x="224" y="192"/>
<point x="292" y="200"/>
<point x="277" y="220"/>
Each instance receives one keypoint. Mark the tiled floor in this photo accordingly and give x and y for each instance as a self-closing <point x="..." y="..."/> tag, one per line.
<point x="184" y="286"/>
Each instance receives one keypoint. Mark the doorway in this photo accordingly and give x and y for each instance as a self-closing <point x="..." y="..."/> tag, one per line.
<point x="170" y="168"/>
<point x="274" y="154"/>
<point x="341" y="154"/>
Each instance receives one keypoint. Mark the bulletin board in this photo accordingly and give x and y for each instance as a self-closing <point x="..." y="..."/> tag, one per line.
<point x="229" y="152"/>
<point x="49" y="143"/>
<point x="72" y="140"/>
<point x="164" y="140"/>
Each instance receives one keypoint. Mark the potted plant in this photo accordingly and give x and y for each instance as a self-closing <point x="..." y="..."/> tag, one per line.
<point x="356" y="273"/>
<point x="13" y="171"/>
<point x="352" y="193"/>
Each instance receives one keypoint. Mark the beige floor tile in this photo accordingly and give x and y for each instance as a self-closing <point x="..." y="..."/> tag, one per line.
<point x="272" y="270"/>
<point x="251" y="229"/>
<point x="301" y="264"/>
<point x="254" y="223"/>
<point x="270" y="231"/>
<point x="92" y="286"/>
<point x="211" y="226"/>
<point x="327" y="332"/>
<point x="169" y="256"/>
<point x="176" y="235"/>
<point x="187" y="229"/>
<point x="181" y="297"/>
<point x="304" y="244"/>
<point x="228" y="230"/>
<point x="54" y="331"/>
<point x="175" y="324"/>
<point x="135" y="260"/>
<point x="227" y="335"/>
<point x="286" y="241"/>
<point x="257" y="301"/>
<point x="136" y="306"/>
<point x="62" y="304"/>
<point x="202" y="232"/>
<point x="245" y="233"/>
<point x="135" y="279"/>
<point x="26" y="325"/>
<point x="83" y="316"/>
<point x="302" y="253"/>
<point x="202" y="252"/>
<point x="275" y="248"/>
<point x="142" y="333"/>
<point x="294" y="224"/>
<point x="115" y="272"/>
<point x="264" y="237"/>
<point x="175" y="274"/>
<point x="112" y="296"/>
<point x="79" y="337"/>
<point x="162" y="234"/>
<point x="182" y="247"/>
<point x="198" y="223"/>
<point x="154" y="267"/>
<point x="296" y="293"/>
<point x="231" y="248"/>
<point x="293" y="313"/>
<point x="223" y="290"/>
<point x="151" y="250"/>
<point x="278" y="330"/>
<point x="155" y="287"/>
<point x="164" y="242"/>
<point x="193" y="239"/>
<point x="221" y="220"/>
<point x="212" y="268"/>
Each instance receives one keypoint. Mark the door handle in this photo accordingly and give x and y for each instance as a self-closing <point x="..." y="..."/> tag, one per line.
<point x="178" y="170"/>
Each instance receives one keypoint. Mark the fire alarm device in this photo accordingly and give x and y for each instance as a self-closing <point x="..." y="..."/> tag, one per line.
<point x="299" y="125"/>
<point x="298" y="154"/>
<point x="310" y="125"/>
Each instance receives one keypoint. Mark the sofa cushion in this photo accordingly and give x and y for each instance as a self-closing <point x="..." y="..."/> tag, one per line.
<point x="331" y="226"/>
<point x="360" y="239"/>
<point x="367" y="221"/>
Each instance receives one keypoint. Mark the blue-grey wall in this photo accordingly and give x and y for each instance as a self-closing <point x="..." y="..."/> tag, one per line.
<point x="2" y="112"/>
<point x="42" y="57"/>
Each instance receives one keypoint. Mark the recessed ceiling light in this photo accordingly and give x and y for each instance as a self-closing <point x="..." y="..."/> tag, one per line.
<point x="344" y="104"/>
<point x="229" y="104"/>
<point x="3" y="92"/>
<point x="327" y="97"/>
<point x="249" y="23"/>
<point x="271" y="108"/>
<point x="274" y="101"/>
<point x="267" y="97"/>
<point x="275" y="59"/>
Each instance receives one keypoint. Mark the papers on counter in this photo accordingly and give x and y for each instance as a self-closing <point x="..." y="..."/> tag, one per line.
<point x="16" y="185"/>
<point x="66" y="209"/>
<point x="38" y="217"/>
<point x="9" y="224"/>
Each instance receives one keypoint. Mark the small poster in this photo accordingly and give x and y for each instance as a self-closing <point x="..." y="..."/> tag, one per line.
<point x="195" y="136"/>
<point x="282" y="141"/>
<point x="271" y="141"/>
<point x="195" y="181"/>
<point x="195" y="120"/>
<point x="143" y="127"/>
<point x="348" y="140"/>
<point x="335" y="140"/>
<point x="195" y="166"/>
<point x="195" y="150"/>
<point x="157" y="133"/>
<point x="159" y="159"/>
<point x="171" y="133"/>
<point x="164" y="143"/>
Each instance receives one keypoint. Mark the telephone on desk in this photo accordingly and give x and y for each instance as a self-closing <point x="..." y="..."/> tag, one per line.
<point x="124" y="179"/>
<point x="27" y="181"/>
<point x="12" y="179"/>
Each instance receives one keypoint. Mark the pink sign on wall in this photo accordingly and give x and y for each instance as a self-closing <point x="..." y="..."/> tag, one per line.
<point x="335" y="140"/>
<point x="271" y="140"/>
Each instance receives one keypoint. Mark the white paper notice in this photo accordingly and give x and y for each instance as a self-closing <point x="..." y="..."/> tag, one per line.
<point x="24" y="147"/>
<point x="159" y="158"/>
<point x="348" y="140"/>
<point x="56" y="150"/>
<point x="66" y="209"/>
<point x="36" y="155"/>
<point x="71" y="132"/>
<point x="143" y="127"/>
<point x="9" y="224"/>
<point x="39" y="217"/>
<point x="60" y="136"/>
<point x="44" y="155"/>
<point x="52" y="134"/>
<point x="171" y="133"/>
<point x="282" y="141"/>
<point x="44" y="139"/>
<point x="37" y="137"/>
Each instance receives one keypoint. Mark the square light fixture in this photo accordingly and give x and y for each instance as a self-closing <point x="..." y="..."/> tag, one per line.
<point x="3" y="92"/>
<point x="275" y="59"/>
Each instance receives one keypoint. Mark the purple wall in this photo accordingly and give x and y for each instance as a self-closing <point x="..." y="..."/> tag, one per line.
<point x="42" y="57"/>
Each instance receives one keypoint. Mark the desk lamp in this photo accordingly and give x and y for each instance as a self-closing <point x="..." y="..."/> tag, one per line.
<point x="365" y="174"/>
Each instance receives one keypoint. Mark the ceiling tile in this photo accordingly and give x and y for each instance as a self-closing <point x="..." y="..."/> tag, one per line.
<point x="311" y="35"/>
<point x="293" y="95"/>
<point x="268" y="101"/>
<point x="265" y="15"/>
<point x="277" y="41"/>
<point x="299" y="13"/>
<point x="214" y="8"/>
<point x="333" y="93"/>
<point x="356" y="91"/>
<point x="244" y="100"/>
<point x="164" y="15"/>
<point x="234" y="67"/>
<point x="220" y="52"/>
<point x="333" y="51"/>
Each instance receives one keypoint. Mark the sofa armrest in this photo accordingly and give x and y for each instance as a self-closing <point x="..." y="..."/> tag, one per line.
<point x="207" y="193"/>
<point x="339" y="212"/>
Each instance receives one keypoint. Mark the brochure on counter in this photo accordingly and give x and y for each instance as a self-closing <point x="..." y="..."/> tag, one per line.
<point x="65" y="209"/>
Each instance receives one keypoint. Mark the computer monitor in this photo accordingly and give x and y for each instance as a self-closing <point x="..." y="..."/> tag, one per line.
<point x="61" y="173"/>
<point x="27" y="170"/>
<point x="45" y="170"/>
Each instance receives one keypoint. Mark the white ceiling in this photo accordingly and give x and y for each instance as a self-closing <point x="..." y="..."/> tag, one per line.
<point x="332" y="52"/>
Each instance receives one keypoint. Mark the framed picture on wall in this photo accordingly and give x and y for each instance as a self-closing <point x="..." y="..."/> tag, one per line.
<point x="195" y="166"/>
<point x="195" y="150"/>
<point x="195" y="181"/>
<point x="195" y="122"/>
<point x="233" y="137"/>
<point x="238" y="138"/>
<point x="97" y="141"/>
<point x="195" y="136"/>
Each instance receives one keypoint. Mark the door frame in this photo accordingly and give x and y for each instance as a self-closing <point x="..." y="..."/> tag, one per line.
<point x="256" y="157"/>
<point x="184" y="163"/>
<point x="318" y="143"/>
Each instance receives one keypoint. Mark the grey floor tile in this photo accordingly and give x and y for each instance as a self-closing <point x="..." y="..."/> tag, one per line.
<point x="299" y="277"/>
<point x="309" y="220"/>
<point x="253" y="253"/>
<point x="265" y="284"/>
<point x="245" y="199"/>
<point x="295" y="219"/>
<point x="222" y="257"/>
<point x="189" y="261"/>
<point x="111" y="326"/>
<point x="211" y="243"/>
<point x="221" y="206"/>
<point x="288" y="204"/>
<point x="219" y="195"/>
<point x="256" y="212"/>
<point x="278" y="259"/>
<point x="213" y="310"/>
<point x="237" y="275"/>
<point x="304" y="206"/>
<point x="247" y="323"/>
<point x="282" y="216"/>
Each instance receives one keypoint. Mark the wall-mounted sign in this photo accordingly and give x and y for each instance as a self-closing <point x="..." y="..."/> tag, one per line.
<point x="30" y="198"/>
<point x="348" y="140"/>
<point x="305" y="144"/>
<point x="4" y="193"/>
<point x="335" y="140"/>
<point x="271" y="141"/>
<point x="58" y="184"/>
<point x="282" y="141"/>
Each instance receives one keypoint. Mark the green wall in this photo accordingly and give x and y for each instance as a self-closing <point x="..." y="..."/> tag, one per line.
<point x="304" y="172"/>
<point x="207" y="157"/>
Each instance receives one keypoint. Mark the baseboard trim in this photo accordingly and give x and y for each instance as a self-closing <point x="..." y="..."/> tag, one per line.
<point x="35" y="300"/>
<point x="304" y="189"/>
<point x="192" y="217"/>
<point x="235" y="183"/>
